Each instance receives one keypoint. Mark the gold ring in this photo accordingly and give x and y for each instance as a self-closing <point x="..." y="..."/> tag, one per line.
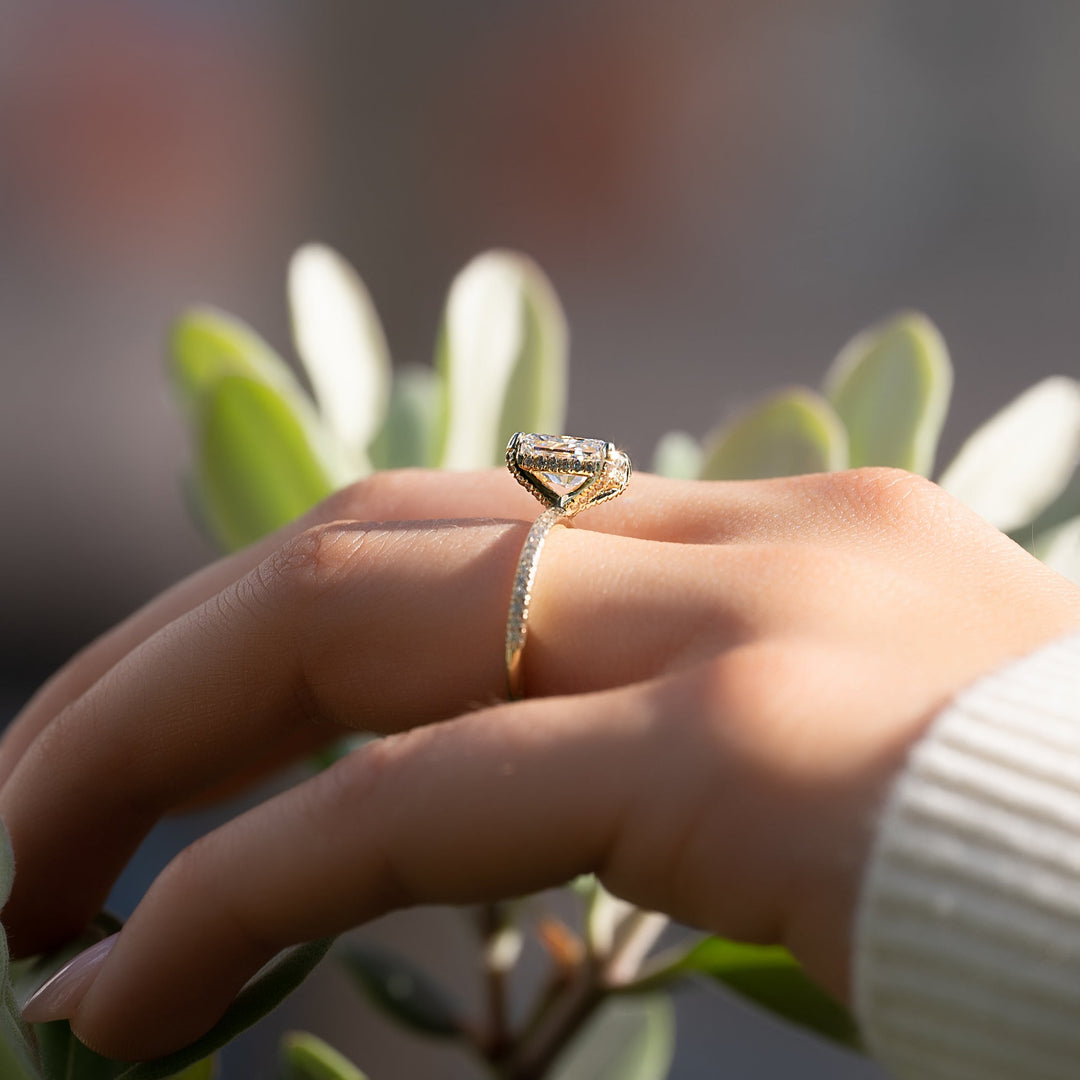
<point x="567" y="475"/>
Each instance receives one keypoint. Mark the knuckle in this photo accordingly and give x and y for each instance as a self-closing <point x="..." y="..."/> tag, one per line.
<point x="310" y="563"/>
<point x="887" y="495"/>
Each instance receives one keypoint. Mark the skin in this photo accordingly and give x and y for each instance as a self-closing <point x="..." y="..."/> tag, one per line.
<point x="722" y="682"/>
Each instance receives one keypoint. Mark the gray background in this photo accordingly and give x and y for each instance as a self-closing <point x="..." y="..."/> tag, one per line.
<point x="722" y="193"/>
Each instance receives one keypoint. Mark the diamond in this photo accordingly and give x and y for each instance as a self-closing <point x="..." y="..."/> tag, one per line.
<point x="565" y="471"/>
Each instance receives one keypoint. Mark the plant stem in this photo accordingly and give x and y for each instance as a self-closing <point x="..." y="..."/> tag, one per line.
<point x="493" y="924"/>
<point x="555" y="1027"/>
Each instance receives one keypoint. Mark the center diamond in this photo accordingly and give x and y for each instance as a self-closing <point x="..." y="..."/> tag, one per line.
<point x="556" y="466"/>
<point x="563" y="482"/>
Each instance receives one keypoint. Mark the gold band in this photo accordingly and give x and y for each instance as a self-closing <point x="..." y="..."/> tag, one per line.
<point x="566" y="474"/>
<point x="517" y="621"/>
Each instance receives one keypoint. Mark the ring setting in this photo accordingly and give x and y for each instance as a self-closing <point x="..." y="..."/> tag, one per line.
<point x="567" y="474"/>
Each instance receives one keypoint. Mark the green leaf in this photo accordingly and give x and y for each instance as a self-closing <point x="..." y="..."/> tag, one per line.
<point x="1064" y="508"/>
<point x="1017" y="464"/>
<point x="339" y="338"/>
<point x="678" y="456"/>
<point x="207" y="346"/>
<point x="1059" y="548"/>
<point x="891" y="386"/>
<point x="305" y="1057"/>
<point x="502" y="354"/>
<point x="629" y="1039"/>
<point x="790" y="433"/>
<point x="257" y="467"/>
<point x="536" y="396"/>
<point x="767" y="975"/>
<point x="263" y="993"/>
<point x="17" y="1058"/>
<point x="401" y="989"/>
<point x="15" y="1062"/>
<point x="201" y="1070"/>
<point x="63" y="1057"/>
<point x="410" y="434"/>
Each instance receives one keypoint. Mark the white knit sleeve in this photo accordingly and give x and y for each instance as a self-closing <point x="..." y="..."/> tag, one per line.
<point x="967" y="934"/>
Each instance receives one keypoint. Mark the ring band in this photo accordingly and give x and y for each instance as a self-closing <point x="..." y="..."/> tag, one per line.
<point x="567" y="475"/>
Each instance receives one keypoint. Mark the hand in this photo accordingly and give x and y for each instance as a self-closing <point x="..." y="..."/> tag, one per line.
<point x="722" y="680"/>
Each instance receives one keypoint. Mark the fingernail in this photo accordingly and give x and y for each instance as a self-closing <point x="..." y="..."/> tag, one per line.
<point x="60" y="996"/>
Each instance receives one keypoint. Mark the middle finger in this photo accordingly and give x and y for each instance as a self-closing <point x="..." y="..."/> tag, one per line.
<point x="376" y="627"/>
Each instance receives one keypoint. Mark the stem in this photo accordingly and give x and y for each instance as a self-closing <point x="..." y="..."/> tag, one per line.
<point x="556" y="1026"/>
<point x="493" y="924"/>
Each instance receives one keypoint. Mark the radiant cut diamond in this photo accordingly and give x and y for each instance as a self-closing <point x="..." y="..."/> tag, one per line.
<point x="557" y="467"/>
<point x="577" y="456"/>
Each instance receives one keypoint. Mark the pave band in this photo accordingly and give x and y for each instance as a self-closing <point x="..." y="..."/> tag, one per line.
<point x="521" y="597"/>
<point x="567" y="475"/>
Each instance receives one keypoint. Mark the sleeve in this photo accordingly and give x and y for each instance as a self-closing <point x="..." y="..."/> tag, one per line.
<point x="967" y="931"/>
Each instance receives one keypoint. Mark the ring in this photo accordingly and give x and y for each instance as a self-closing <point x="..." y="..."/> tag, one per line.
<point x="567" y="475"/>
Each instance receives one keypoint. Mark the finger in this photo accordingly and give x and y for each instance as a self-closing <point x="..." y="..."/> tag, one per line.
<point x="651" y="508"/>
<point x="405" y="495"/>
<point x="683" y="793"/>
<point x="378" y="629"/>
<point x="493" y="805"/>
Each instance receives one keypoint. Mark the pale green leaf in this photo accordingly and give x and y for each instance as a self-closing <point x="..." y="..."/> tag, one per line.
<point x="16" y="1056"/>
<point x="206" y="346"/>
<point x="791" y="433"/>
<point x="341" y="342"/>
<point x="257" y="467"/>
<point x="630" y="1038"/>
<point x="262" y="993"/>
<point x="536" y="395"/>
<point x="1020" y="461"/>
<point x="678" y="456"/>
<point x="767" y="975"/>
<point x="1060" y="549"/>
<point x="305" y="1057"/>
<point x="891" y="386"/>
<point x="413" y="421"/>
<point x="502" y="354"/>
<point x="401" y="989"/>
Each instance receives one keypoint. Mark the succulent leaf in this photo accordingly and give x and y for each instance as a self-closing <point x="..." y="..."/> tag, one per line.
<point x="678" y="456"/>
<point x="502" y="354"/>
<point x="1020" y="461"/>
<point x="788" y="434"/>
<point x="1060" y="549"/>
<point x="891" y="386"/>
<point x="768" y="976"/>
<point x="628" y="1039"/>
<point x="341" y="342"/>
<point x="306" y="1057"/>
<point x="401" y="989"/>
<point x="206" y="346"/>
<point x="413" y="420"/>
<point x="258" y="466"/>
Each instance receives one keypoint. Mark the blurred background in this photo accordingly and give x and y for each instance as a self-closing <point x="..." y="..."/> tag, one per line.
<point x="722" y="191"/>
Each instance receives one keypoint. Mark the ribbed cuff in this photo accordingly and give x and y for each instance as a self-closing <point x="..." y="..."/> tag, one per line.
<point x="967" y="936"/>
